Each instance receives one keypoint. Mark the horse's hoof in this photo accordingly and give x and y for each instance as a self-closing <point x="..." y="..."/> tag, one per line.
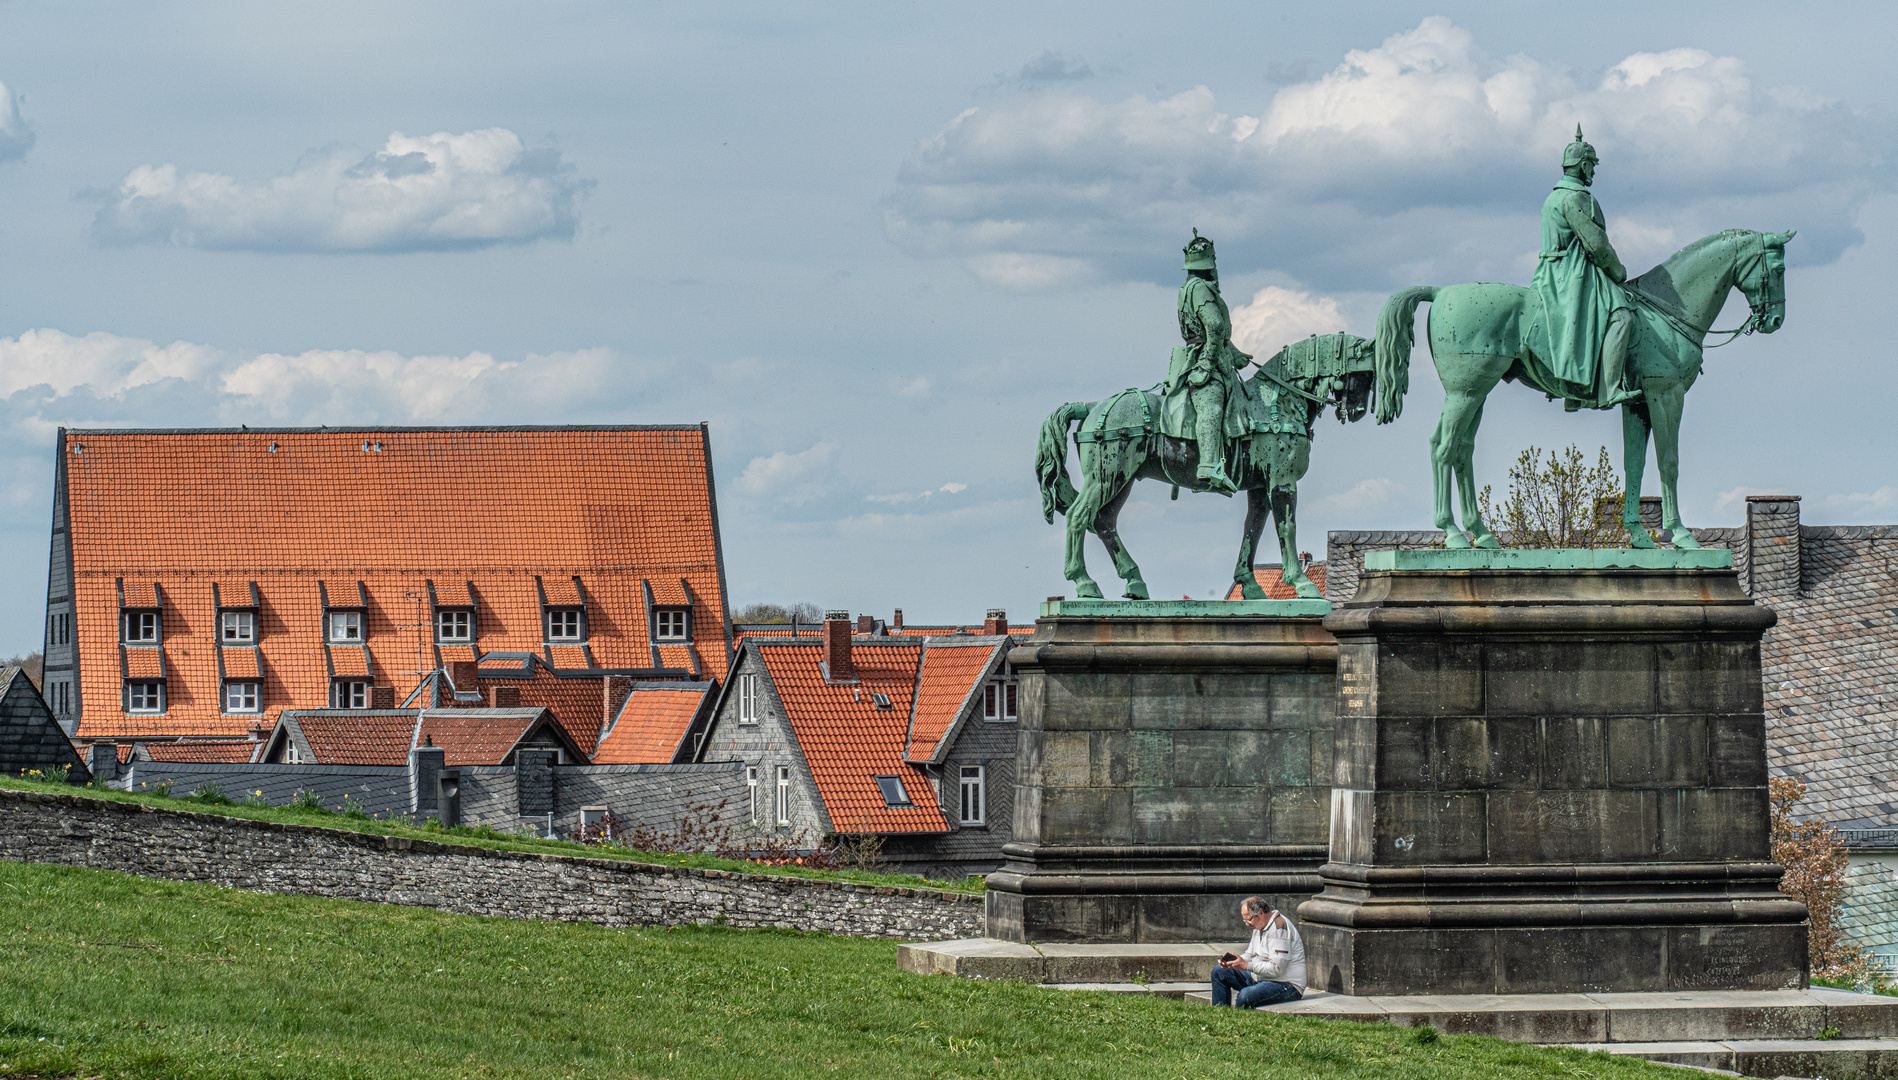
<point x="1306" y="590"/>
<point x="1684" y="537"/>
<point x="1486" y="539"/>
<point x="1638" y="538"/>
<point x="1136" y="590"/>
<point x="1454" y="538"/>
<point x="1249" y="589"/>
<point x="1087" y="590"/>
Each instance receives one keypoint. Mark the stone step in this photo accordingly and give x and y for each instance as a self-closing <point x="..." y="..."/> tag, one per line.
<point x="1174" y="990"/>
<point x="1770" y="1057"/>
<point x="988" y="958"/>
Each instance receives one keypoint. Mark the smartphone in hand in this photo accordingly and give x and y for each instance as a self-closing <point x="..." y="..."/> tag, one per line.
<point x="1229" y="958"/>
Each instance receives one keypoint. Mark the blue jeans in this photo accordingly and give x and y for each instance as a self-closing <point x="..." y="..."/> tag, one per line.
<point x="1251" y="994"/>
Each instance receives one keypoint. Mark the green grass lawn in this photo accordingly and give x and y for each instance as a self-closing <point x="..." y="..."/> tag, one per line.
<point x="479" y="837"/>
<point x="110" y="975"/>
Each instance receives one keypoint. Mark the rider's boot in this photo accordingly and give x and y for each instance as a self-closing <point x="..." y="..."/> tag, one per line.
<point x="1614" y="361"/>
<point x="1209" y="409"/>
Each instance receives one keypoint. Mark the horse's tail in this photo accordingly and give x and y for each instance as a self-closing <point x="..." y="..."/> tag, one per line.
<point x="1394" y="330"/>
<point x="1051" y="459"/>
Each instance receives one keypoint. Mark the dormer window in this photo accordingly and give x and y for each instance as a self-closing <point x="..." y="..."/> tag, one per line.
<point x="454" y="626"/>
<point x="345" y="627"/>
<point x="240" y="697"/>
<point x="140" y="627"/>
<point x="349" y="695"/>
<point x="565" y="624"/>
<point x="237" y="628"/>
<point x="145" y="697"/>
<point x="671" y="624"/>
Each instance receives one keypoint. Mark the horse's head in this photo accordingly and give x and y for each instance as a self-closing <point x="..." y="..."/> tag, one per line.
<point x="1765" y="283"/>
<point x="1335" y="369"/>
<point x="1358" y="383"/>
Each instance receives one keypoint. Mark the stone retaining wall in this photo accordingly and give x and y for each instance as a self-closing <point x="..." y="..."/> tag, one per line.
<point x="263" y="856"/>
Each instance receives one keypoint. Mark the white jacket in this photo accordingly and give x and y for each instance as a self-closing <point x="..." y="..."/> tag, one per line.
<point x="1276" y="954"/>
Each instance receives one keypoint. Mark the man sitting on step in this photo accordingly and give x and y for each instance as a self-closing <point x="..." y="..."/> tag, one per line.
<point x="1271" y="970"/>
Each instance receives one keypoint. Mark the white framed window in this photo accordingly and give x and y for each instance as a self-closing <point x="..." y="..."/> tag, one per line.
<point x="237" y="627"/>
<point x="345" y="627"/>
<point x="349" y="695"/>
<point x="974" y="795"/>
<point x="291" y="756"/>
<point x="784" y="794"/>
<point x="998" y="701"/>
<point x="748" y="709"/>
<point x="892" y="789"/>
<point x="454" y="625"/>
<point x="145" y="697"/>
<point x="593" y="821"/>
<point x="669" y="624"/>
<point x="240" y="697"/>
<point x="751" y="791"/>
<point x="141" y="626"/>
<point x="564" y="625"/>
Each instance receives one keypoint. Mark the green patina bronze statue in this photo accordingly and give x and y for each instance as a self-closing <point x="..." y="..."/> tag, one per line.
<point x="1583" y="332"/>
<point x="1205" y="418"/>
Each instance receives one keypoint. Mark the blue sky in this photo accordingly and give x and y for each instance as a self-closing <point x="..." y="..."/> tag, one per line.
<point x="874" y="246"/>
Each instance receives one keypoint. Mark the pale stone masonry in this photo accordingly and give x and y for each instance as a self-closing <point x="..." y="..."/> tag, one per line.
<point x="260" y="856"/>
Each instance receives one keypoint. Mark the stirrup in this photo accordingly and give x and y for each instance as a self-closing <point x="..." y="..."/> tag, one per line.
<point x="1214" y="478"/>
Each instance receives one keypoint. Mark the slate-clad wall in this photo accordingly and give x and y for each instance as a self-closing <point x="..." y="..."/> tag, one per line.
<point x="29" y="736"/>
<point x="305" y="860"/>
<point x="660" y="796"/>
<point x="382" y="790"/>
<point x="767" y="744"/>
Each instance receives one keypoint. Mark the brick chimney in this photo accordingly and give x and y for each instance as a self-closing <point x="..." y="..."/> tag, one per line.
<point x="464" y="674"/>
<point x="618" y="688"/>
<point x="504" y="697"/>
<point x="866" y="624"/>
<point x="838" y="667"/>
<point x="996" y="622"/>
<point x="896" y="621"/>
<point x="382" y="697"/>
<point x="1772" y="546"/>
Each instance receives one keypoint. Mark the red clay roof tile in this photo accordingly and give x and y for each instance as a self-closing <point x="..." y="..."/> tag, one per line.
<point x="561" y="592"/>
<point x="350" y="661"/>
<point x="357" y="737"/>
<point x="242" y="662"/>
<point x="140" y="594"/>
<point x="951" y="676"/>
<point x="144" y="662"/>
<point x="1268" y="577"/>
<point x="652" y="724"/>
<point x="231" y="752"/>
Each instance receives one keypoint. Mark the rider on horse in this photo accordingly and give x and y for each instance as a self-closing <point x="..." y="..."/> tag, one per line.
<point x="1209" y="367"/>
<point x="1586" y="321"/>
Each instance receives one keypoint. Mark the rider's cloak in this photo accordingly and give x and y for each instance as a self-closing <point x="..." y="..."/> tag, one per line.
<point x="1576" y="280"/>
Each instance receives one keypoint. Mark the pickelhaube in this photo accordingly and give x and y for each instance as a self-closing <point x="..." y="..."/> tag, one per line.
<point x="1199" y="252"/>
<point x="1578" y="151"/>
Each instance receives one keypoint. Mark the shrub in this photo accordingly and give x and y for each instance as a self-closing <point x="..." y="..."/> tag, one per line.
<point x="210" y="794"/>
<point x="48" y="774"/>
<point x="308" y="800"/>
<point x="1814" y="856"/>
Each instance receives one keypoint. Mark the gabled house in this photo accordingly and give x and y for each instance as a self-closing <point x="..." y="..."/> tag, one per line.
<point x="909" y="738"/>
<point x="653" y="724"/>
<point x="474" y="736"/>
<point x="204" y="580"/>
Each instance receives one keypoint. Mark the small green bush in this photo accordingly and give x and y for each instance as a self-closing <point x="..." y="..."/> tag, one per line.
<point x="308" y="800"/>
<point x="211" y="794"/>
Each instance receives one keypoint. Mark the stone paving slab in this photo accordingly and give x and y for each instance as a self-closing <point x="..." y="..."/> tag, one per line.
<point x="1771" y="1057"/>
<point x="1060" y="962"/>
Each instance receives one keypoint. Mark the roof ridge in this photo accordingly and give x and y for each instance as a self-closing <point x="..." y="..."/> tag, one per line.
<point x="370" y="430"/>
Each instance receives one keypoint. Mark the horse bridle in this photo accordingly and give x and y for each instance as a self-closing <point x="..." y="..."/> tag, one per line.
<point x="1760" y="310"/>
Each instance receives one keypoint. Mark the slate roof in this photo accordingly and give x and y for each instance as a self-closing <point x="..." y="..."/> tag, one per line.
<point x="1831" y="676"/>
<point x="653" y="723"/>
<point x="948" y="684"/>
<point x="1267" y="575"/>
<point x="170" y="512"/>
<point x="29" y="736"/>
<point x="846" y="739"/>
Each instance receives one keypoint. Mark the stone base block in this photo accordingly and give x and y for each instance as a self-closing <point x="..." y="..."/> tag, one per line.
<point x="1555" y="959"/>
<point x="1134" y="916"/>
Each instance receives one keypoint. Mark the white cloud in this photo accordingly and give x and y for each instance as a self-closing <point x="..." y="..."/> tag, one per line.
<point x="16" y="137"/>
<point x="952" y="487"/>
<point x="1861" y="502"/>
<point x="1276" y="317"/>
<point x="1418" y="153"/>
<point x="440" y="192"/>
<point x="1366" y="494"/>
<point x="793" y="478"/>
<point x="900" y="497"/>
<point x="49" y="377"/>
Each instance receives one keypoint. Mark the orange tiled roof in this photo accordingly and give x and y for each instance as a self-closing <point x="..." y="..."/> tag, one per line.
<point x="453" y="594"/>
<point x="578" y="704"/>
<point x="562" y="592"/>
<point x="144" y="662"/>
<point x="668" y="593"/>
<point x="652" y="724"/>
<point x="568" y="656"/>
<point x="350" y="661"/>
<point x="166" y="726"/>
<point x="486" y="736"/>
<point x="613" y="506"/>
<point x="847" y="740"/>
<point x="231" y="752"/>
<point x="949" y="680"/>
<point x="1268" y="578"/>
<point x="242" y="662"/>
<point x="233" y="594"/>
<point x="676" y="657"/>
<point x="140" y="594"/>
<point x="356" y="737"/>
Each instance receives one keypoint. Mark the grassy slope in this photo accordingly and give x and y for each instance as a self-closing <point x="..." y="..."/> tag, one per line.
<point x="120" y="976"/>
<point x="484" y="837"/>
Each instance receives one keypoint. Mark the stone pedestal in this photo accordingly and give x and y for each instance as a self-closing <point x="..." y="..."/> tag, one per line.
<point x="1550" y="777"/>
<point x="1173" y="760"/>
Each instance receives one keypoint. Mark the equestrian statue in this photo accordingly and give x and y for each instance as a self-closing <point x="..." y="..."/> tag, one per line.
<point x="1207" y="430"/>
<point x="1584" y="332"/>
